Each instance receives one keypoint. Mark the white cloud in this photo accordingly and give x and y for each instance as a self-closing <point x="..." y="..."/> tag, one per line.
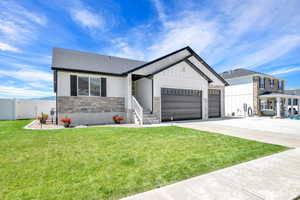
<point x="19" y="25"/>
<point x="185" y="31"/>
<point x="18" y="60"/>
<point x="7" y="47"/>
<point x="160" y="10"/>
<point x="39" y="19"/>
<point x="121" y="48"/>
<point x="227" y="34"/>
<point x="86" y="18"/>
<point x="8" y="91"/>
<point x="271" y="51"/>
<point x="285" y="70"/>
<point x="27" y="74"/>
<point x="37" y="85"/>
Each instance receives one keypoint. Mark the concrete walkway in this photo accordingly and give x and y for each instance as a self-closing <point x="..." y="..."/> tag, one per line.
<point x="272" y="177"/>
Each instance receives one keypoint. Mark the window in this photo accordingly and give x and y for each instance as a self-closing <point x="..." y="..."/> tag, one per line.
<point x="280" y="84"/>
<point x="261" y="82"/>
<point x="290" y="102"/>
<point x="95" y="85"/>
<point x="264" y="105"/>
<point x="271" y="83"/>
<point x="295" y="102"/>
<point x="83" y="86"/>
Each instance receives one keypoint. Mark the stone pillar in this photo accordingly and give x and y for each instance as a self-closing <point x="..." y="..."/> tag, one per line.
<point x="256" y="101"/>
<point x="128" y="98"/>
<point x="157" y="107"/>
<point x="278" y="107"/>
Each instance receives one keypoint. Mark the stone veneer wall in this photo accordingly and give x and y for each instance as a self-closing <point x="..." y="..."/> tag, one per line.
<point x="74" y="104"/>
<point x="90" y="110"/>
<point x="157" y="107"/>
<point x="255" y="96"/>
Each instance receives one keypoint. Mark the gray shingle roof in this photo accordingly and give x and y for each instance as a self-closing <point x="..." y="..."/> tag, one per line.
<point x="238" y="73"/>
<point x="71" y="60"/>
<point x="91" y="62"/>
<point x="294" y="92"/>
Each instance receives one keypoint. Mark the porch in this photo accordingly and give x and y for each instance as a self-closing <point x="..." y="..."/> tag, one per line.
<point x="279" y="104"/>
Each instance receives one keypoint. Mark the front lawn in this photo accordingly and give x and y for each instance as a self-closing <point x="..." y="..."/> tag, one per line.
<point x="109" y="163"/>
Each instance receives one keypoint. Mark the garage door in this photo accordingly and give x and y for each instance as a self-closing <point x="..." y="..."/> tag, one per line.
<point x="181" y="104"/>
<point x="214" y="103"/>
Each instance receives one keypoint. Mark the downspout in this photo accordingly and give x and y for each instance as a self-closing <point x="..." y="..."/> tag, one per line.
<point x="56" y="85"/>
<point x="152" y="94"/>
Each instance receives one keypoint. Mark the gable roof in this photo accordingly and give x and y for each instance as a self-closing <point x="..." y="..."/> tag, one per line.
<point x="240" y="72"/>
<point x="189" y="63"/>
<point x="72" y="60"/>
<point x="237" y="73"/>
<point x="193" y="53"/>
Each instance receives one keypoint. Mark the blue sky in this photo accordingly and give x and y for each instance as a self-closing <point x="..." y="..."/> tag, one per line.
<point x="258" y="35"/>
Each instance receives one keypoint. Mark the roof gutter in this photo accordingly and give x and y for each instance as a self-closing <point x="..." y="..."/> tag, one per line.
<point x="87" y="71"/>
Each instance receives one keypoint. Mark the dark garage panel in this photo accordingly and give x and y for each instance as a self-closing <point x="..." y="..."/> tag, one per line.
<point x="214" y="103"/>
<point x="179" y="104"/>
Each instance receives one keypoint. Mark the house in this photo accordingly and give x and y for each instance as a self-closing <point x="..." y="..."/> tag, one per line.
<point x="92" y="88"/>
<point x="255" y="93"/>
<point x="295" y="101"/>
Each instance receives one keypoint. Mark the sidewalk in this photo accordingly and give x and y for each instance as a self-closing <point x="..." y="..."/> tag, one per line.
<point x="272" y="177"/>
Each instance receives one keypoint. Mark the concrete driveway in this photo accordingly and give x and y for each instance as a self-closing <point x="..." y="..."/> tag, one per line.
<point x="284" y="132"/>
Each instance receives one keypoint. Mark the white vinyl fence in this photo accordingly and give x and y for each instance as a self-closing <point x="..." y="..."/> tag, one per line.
<point x="12" y="109"/>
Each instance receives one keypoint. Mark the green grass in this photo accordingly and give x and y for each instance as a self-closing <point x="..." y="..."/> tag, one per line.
<point x="109" y="163"/>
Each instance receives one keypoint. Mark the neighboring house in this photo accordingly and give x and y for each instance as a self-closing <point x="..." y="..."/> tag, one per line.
<point x="92" y="88"/>
<point x="256" y="93"/>
<point x="296" y="101"/>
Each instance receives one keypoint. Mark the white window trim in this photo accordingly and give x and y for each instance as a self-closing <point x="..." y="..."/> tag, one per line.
<point x="89" y="78"/>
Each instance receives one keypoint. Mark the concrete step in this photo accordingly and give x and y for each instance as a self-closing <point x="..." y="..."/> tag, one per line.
<point x="152" y="122"/>
<point x="150" y="118"/>
<point x="149" y="115"/>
